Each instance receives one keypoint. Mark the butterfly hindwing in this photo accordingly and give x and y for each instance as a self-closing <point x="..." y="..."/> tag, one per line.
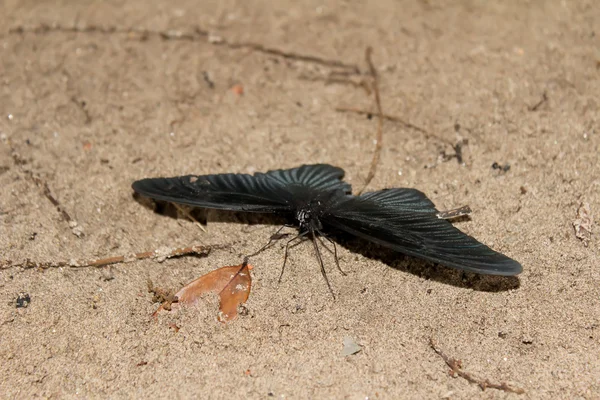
<point x="321" y="177"/>
<point x="406" y="221"/>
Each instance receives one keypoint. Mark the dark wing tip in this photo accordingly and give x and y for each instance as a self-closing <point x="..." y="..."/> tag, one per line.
<point x="146" y="186"/>
<point x="467" y="253"/>
<point x="168" y="189"/>
<point x="139" y="185"/>
<point x="507" y="267"/>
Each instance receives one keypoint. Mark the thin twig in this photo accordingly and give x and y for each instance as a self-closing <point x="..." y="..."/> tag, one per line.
<point x="19" y="161"/>
<point x="456" y="369"/>
<point x="190" y="216"/>
<point x="159" y="255"/>
<point x="194" y="35"/>
<point x="335" y="78"/>
<point x="393" y="118"/>
<point x="379" y="135"/>
<point x="537" y="105"/>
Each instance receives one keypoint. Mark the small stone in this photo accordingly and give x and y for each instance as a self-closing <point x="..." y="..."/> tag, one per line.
<point x="23" y="300"/>
<point x="77" y="231"/>
<point x="350" y="347"/>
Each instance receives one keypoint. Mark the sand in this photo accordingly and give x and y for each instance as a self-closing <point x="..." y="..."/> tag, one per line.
<point x="96" y="95"/>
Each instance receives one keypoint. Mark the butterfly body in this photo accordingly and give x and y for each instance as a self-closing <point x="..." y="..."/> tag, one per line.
<point x="309" y="212"/>
<point x="317" y="198"/>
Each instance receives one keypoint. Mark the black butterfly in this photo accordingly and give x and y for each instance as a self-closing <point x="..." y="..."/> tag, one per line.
<point x="315" y="196"/>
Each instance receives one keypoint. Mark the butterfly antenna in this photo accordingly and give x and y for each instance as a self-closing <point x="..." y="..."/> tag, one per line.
<point x="287" y="247"/>
<point x="318" y="253"/>
<point x="335" y="255"/>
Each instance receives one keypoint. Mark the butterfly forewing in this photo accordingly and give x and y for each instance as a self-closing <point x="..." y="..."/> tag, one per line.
<point x="405" y="220"/>
<point x="274" y="191"/>
<point x="235" y="192"/>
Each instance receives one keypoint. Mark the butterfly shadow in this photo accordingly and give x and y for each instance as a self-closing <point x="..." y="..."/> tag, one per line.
<point x="424" y="269"/>
<point x="204" y="215"/>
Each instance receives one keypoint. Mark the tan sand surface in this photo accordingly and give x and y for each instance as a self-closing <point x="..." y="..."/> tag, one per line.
<point x="94" y="95"/>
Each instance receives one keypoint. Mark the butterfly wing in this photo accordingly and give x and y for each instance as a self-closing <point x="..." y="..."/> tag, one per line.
<point x="234" y="192"/>
<point x="274" y="191"/>
<point x="406" y="221"/>
<point x="318" y="177"/>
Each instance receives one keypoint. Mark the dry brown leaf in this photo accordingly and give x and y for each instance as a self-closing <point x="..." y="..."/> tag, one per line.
<point x="232" y="284"/>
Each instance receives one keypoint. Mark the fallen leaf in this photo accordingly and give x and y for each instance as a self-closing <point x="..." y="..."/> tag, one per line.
<point x="232" y="284"/>
<point x="583" y="224"/>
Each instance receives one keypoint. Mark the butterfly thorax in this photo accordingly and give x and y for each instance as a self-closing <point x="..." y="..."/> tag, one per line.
<point x="308" y="216"/>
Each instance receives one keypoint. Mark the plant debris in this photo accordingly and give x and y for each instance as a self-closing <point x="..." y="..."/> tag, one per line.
<point x="232" y="284"/>
<point x="454" y="213"/>
<point x="238" y="89"/>
<point x="160" y="255"/>
<point x="379" y="134"/>
<point x="583" y="224"/>
<point x="537" y="105"/>
<point x="160" y="295"/>
<point x="456" y="370"/>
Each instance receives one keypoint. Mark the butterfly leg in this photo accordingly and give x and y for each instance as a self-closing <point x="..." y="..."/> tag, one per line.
<point x="272" y="239"/>
<point x="335" y="255"/>
<point x="287" y="247"/>
<point x="318" y="253"/>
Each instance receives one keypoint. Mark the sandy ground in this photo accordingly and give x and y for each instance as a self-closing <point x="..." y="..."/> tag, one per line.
<point x="94" y="95"/>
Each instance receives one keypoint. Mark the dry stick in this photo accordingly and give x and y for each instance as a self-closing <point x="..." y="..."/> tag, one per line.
<point x="342" y="80"/>
<point x="539" y="103"/>
<point x="456" y="368"/>
<point x="190" y="216"/>
<point x="194" y="35"/>
<point x="158" y="254"/>
<point x="379" y="135"/>
<point x="393" y="118"/>
<point x="292" y="56"/>
<point x="49" y="196"/>
<point x="40" y="183"/>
